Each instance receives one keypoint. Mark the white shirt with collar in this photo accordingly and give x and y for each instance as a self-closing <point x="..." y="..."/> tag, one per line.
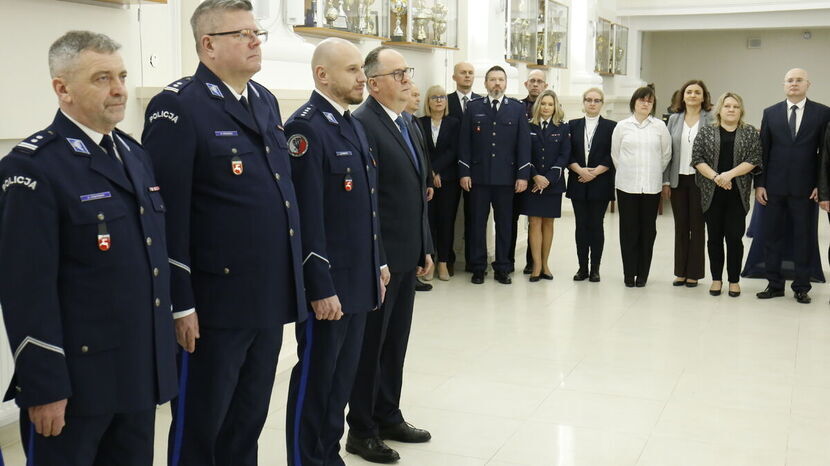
<point x="502" y="99"/>
<point x="337" y="107"/>
<point x="799" y="113"/>
<point x="95" y="136"/>
<point x="461" y="96"/>
<point x="236" y="95"/>
<point x="392" y="114"/>
<point x="641" y="152"/>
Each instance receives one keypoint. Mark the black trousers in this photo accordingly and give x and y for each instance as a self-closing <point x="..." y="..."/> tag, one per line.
<point x="321" y="383"/>
<point x="501" y="198"/>
<point x="638" y="230"/>
<point x="780" y="210"/>
<point x="113" y="439"/>
<point x="228" y="392"/>
<point x="514" y="236"/>
<point x="468" y="244"/>
<point x="689" y="235"/>
<point x="442" y="210"/>
<point x="376" y="395"/>
<point x="726" y="220"/>
<point x="589" y="232"/>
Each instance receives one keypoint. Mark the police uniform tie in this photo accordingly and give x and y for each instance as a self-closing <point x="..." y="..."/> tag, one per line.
<point x="792" y="120"/>
<point x="244" y="102"/>
<point x="495" y="105"/>
<point x="109" y="146"/>
<point x="464" y="104"/>
<point x="405" y="133"/>
<point x="347" y="116"/>
<point x="544" y="125"/>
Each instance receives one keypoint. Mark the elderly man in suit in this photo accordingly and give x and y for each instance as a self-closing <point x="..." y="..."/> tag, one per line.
<point x="791" y="132"/>
<point x="374" y="412"/>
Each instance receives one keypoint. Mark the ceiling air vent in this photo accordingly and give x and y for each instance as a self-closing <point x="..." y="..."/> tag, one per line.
<point x="753" y="43"/>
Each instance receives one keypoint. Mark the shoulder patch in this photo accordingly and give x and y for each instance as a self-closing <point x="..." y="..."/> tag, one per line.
<point x="306" y="112"/>
<point x="21" y="180"/>
<point x="33" y="143"/>
<point x="178" y="85"/>
<point x="297" y="145"/>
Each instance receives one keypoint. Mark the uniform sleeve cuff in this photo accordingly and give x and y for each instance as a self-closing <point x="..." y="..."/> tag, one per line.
<point x="185" y="313"/>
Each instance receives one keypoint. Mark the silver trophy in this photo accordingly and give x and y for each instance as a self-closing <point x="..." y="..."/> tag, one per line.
<point x="350" y="9"/>
<point x="439" y="22"/>
<point x="420" y="17"/>
<point x="398" y="7"/>
<point x="332" y="12"/>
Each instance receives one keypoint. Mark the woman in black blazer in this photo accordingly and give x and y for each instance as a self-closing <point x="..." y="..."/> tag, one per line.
<point x="441" y="133"/>
<point x="590" y="181"/>
<point x="549" y="155"/>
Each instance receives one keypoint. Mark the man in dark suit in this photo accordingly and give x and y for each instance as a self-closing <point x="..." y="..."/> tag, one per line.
<point x="463" y="74"/>
<point x="374" y="408"/>
<point x="233" y="230"/>
<point x="791" y="132"/>
<point x="335" y="177"/>
<point x="535" y="84"/>
<point x="84" y="279"/>
<point x="494" y="164"/>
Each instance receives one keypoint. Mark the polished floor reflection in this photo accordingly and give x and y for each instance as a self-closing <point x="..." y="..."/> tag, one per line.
<point x="584" y="374"/>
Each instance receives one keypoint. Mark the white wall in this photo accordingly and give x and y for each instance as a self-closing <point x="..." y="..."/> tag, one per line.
<point x="722" y="60"/>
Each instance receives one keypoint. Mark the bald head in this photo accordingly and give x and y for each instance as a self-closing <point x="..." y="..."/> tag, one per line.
<point x="463" y="74"/>
<point x="796" y="84"/>
<point x="338" y="71"/>
<point x="535" y="84"/>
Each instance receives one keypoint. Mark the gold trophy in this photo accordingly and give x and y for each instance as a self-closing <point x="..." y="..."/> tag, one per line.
<point x="398" y="7"/>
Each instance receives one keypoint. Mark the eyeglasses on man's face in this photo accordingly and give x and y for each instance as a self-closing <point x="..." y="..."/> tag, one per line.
<point x="398" y="74"/>
<point x="244" y="35"/>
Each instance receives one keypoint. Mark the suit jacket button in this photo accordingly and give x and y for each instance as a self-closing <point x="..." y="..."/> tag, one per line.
<point x="100" y="216"/>
<point x="141" y="210"/>
<point x="18" y="388"/>
<point x="227" y="271"/>
<point x="375" y="237"/>
<point x="233" y="150"/>
<point x="157" y="302"/>
<point x="267" y="150"/>
<point x="277" y="176"/>
<point x="149" y="241"/>
<point x="155" y="271"/>
<point x="291" y="232"/>
<point x="84" y="349"/>
<point x="287" y="205"/>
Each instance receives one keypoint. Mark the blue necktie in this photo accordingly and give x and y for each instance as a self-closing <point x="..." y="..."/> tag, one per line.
<point x="405" y="132"/>
<point x="792" y="120"/>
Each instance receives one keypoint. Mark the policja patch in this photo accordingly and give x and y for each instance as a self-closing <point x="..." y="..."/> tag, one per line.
<point x="297" y="145"/>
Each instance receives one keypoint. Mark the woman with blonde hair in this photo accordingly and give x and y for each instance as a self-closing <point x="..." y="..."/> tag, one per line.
<point x="441" y="134"/>
<point x="550" y="152"/>
<point x="726" y="155"/>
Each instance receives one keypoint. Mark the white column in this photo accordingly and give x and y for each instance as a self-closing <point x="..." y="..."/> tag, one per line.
<point x="485" y="42"/>
<point x="286" y="55"/>
<point x="582" y="53"/>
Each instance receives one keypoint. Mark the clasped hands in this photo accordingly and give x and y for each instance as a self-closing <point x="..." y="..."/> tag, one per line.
<point x="723" y="180"/>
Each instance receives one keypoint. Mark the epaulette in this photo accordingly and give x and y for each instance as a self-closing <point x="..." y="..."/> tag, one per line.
<point x="35" y="142"/>
<point x="306" y="112"/>
<point x="514" y="99"/>
<point x="178" y="84"/>
<point x="481" y="97"/>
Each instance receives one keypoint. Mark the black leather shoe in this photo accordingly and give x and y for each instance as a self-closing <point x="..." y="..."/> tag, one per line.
<point x="546" y="276"/>
<point x="770" y="293"/>
<point x="371" y="449"/>
<point x="405" y="432"/>
<point x="502" y="278"/>
<point x="534" y="279"/>
<point x="641" y="282"/>
<point x="691" y="284"/>
<point x="581" y="275"/>
<point x="478" y="278"/>
<point x="421" y="286"/>
<point x="451" y="269"/>
<point x="734" y="294"/>
<point x="679" y="282"/>
<point x="594" y="275"/>
<point x="629" y="282"/>
<point x="802" y="297"/>
<point x="528" y="269"/>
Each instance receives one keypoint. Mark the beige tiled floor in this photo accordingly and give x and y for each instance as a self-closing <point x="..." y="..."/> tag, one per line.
<point x="582" y="374"/>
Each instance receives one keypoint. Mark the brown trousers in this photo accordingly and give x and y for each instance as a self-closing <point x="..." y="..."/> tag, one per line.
<point x="689" y="229"/>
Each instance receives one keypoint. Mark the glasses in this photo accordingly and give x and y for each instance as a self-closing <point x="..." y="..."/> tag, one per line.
<point x="593" y="101"/>
<point x="244" y="35"/>
<point x="438" y="98"/>
<point x="398" y="74"/>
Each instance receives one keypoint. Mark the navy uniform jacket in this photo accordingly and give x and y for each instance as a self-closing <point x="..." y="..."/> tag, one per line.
<point x="88" y="316"/>
<point x="791" y="166"/>
<point x="494" y="149"/>
<point x="341" y="228"/>
<point x="602" y="187"/>
<point x="233" y="227"/>
<point x="444" y="153"/>
<point x="550" y="154"/>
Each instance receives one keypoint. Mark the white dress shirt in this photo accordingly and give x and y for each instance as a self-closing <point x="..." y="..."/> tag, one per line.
<point x="687" y="139"/>
<point x="461" y="96"/>
<point x="95" y="136"/>
<point x="337" y="107"/>
<point x="591" y="124"/>
<point x="500" y="101"/>
<point x="799" y="113"/>
<point x="435" y="131"/>
<point x="641" y="152"/>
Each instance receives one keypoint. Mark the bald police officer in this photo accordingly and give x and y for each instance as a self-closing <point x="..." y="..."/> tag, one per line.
<point x="335" y="175"/>
<point x="234" y="234"/>
<point x="494" y="163"/>
<point x="84" y="280"/>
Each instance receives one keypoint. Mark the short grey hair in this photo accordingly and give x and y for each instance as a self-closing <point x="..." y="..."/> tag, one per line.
<point x="204" y="17"/>
<point x="65" y="50"/>
<point x="372" y="62"/>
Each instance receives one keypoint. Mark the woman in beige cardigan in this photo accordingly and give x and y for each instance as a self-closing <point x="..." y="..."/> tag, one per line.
<point x="725" y="155"/>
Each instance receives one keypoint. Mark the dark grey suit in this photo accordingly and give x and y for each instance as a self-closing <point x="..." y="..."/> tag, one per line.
<point x="406" y="240"/>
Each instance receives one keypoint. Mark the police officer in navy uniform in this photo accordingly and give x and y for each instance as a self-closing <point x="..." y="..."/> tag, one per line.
<point x="84" y="280"/>
<point x="494" y="163"/>
<point x="335" y="175"/>
<point x="233" y="232"/>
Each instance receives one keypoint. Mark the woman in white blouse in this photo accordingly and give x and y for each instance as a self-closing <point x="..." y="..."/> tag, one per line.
<point x="641" y="150"/>
<point x="691" y="114"/>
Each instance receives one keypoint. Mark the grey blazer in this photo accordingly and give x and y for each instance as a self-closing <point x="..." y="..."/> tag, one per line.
<point x="706" y="149"/>
<point x="675" y="127"/>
